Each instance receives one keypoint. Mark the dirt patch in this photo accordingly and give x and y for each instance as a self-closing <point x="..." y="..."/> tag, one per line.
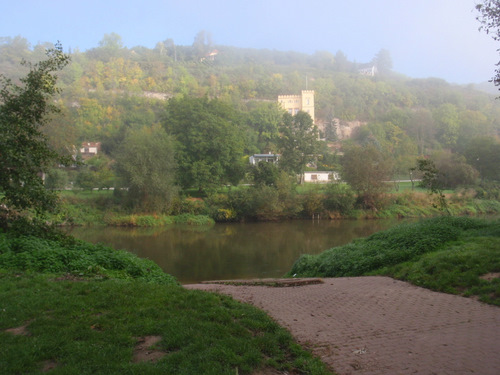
<point x="490" y="276"/>
<point x="20" y="331"/>
<point x="278" y="283"/>
<point x="69" y="277"/>
<point x="49" y="365"/>
<point x="144" y="352"/>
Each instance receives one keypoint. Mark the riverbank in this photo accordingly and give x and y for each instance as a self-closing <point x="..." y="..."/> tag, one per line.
<point x="103" y="208"/>
<point x="448" y="254"/>
<point x="153" y="325"/>
<point x="115" y="313"/>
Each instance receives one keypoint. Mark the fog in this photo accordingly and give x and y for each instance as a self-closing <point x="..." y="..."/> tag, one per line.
<point x="426" y="38"/>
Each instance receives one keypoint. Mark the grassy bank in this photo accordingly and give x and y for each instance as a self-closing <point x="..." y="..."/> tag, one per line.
<point x="452" y="255"/>
<point x="75" y="308"/>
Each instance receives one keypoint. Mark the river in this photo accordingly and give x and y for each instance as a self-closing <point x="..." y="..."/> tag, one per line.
<point x="232" y="251"/>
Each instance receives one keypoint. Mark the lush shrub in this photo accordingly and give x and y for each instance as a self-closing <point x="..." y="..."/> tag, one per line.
<point x="28" y="253"/>
<point x="385" y="248"/>
<point x="339" y="198"/>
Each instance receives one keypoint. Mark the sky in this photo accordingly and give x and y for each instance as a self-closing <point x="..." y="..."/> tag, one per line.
<point x="425" y="38"/>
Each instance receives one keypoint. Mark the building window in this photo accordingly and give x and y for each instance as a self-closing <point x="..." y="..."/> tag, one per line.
<point x="314" y="177"/>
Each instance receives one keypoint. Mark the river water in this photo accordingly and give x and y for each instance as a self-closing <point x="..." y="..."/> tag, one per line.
<point x="232" y="251"/>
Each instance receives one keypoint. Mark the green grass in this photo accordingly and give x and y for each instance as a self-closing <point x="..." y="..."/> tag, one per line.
<point x="83" y="308"/>
<point x="447" y="254"/>
<point x="90" y="327"/>
<point x="78" y="258"/>
<point x="456" y="269"/>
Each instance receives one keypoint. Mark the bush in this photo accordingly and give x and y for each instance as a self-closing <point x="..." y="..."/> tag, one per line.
<point x="28" y="253"/>
<point x="339" y="198"/>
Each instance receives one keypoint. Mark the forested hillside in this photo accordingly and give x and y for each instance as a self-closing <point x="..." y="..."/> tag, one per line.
<point x="110" y="91"/>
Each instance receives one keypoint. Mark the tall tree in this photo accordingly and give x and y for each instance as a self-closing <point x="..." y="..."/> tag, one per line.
<point x="383" y="61"/>
<point x="146" y="162"/>
<point x="483" y="153"/>
<point x="298" y="142"/>
<point x="489" y="17"/>
<point x="24" y="151"/>
<point x="366" y="169"/>
<point x="265" y="118"/>
<point x="210" y="146"/>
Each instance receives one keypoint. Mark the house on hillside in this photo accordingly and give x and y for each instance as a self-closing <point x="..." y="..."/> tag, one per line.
<point x="267" y="158"/>
<point x="320" y="177"/>
<point x="369" y="71"/>
<point x="90" y="149"/>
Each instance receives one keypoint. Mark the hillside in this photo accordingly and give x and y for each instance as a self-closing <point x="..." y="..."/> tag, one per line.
<point x="109" y="90"/>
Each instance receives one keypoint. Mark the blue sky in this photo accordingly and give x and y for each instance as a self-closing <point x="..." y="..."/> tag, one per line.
<point x="426" y="38"/>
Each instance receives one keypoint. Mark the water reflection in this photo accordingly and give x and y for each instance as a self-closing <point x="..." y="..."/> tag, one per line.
<point x="232" y="251"/>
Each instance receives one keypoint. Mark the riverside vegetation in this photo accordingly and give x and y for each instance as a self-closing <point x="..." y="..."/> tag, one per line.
<point x="265" y="203"/>
<point x="447" y="254"/>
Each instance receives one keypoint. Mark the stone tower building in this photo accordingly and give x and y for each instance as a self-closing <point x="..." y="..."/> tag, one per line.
<point x="295" y="103"/>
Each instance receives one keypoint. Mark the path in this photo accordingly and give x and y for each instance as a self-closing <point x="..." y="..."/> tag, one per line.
<point x="377" y="325"/>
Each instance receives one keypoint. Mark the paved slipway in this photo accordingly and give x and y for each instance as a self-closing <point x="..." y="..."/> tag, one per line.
<point x="377" y="325"/>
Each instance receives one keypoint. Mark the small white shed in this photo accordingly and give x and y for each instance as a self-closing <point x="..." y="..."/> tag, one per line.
<point x="321" y="176"/>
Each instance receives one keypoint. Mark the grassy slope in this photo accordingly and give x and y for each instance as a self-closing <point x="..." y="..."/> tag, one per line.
<point x="83" y="309"/>
<point x="445" y="254"/>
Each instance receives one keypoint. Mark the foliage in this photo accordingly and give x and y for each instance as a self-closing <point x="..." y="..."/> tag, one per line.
<point x="146" y="162"/>
<point x="366" y="169"/>
<point x="339" y="198"/>
<point x="298" y="143"/>
<point x="23" y="147"/>
<point x="209" y="149"/>
<point x="265" y="174"/>
<point x="388" y="248"/>
<point x="264" y="119"/>
<point x="193" y="219"/>
<point x="140" y="220"/>
<point x="456" y="269"/>
<point x="489" y="17"/>
<point x="56" y="179"/>
<point x="430" y="181"/>
<point x="28" y="253"/>
<point x="483" y="153"/>
<point x="453" y="171"/>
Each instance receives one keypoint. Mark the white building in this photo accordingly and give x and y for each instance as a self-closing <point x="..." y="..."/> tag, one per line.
<point x="321" y="177"/>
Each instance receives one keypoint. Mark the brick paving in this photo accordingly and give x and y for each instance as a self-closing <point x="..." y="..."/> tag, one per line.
<point x="377" y="325"/>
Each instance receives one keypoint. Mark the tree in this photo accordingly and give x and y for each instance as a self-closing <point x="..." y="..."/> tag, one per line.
<point x="56" y="179"/>
<point x="265" y="118"/>
<point x="24" y="151"/>
<point x="483" y="153"/>
<point x="146" y="162"/>
<point x="431" y="182"/>
<point x="366" y="169"/>
<point x="489" y="18"/>
<point x="209" y="143"/>
<point x="298" y="142"/>
<point x="383" y="61"/>
<point x="453" y="170"/>
<point x="265" y="174"/>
